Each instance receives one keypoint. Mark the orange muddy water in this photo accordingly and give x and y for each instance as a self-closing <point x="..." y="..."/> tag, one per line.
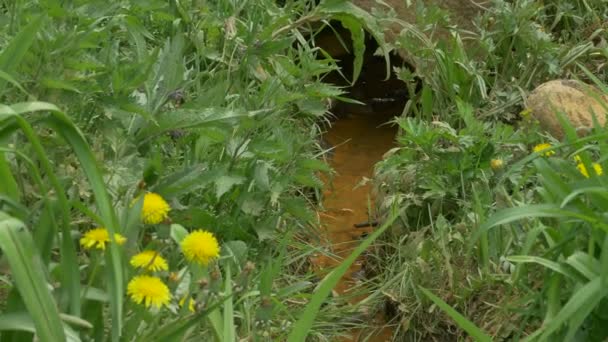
<point x="359" y="142"/>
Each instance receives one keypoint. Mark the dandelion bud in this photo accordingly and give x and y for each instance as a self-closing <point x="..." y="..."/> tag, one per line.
<point x="496" y="164"/>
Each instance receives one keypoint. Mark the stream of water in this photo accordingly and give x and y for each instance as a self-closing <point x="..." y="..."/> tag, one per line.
<point x="359" y="140"/>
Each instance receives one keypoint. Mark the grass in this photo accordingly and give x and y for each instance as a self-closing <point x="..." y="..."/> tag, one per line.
<point x="218" y="108"/>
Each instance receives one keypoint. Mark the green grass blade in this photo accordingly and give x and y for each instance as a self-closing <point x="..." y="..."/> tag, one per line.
<point x="304" y="323"/>
<point x="173" y="331"/>
<point x="539" y="210"/>
<point x="71" y="271"/>
<point x="8" y="78"/>
<point x="229" y="332"/>
<point x="63" y="125"/>
<point x="581" y="303"/>
<point x="8" y="186"/>
<point x="466" y="325"/>
<point x="18" y="246"/>
<point x="12" y="54"/>
<point x="552" y="265"/>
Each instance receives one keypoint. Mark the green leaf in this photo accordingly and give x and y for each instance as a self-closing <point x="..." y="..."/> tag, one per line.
<point x="174" y="330"/>
<point x="8" y="186"/>
<point x="229" y="329"/>
<point x="13" y="53"/>
<point x="21" y="321"/>
<point x="64" y="126"/>
<point x="298" y="208"/>
<point x="466" y="325"/>
<point x="585" y="264"/>
<point x="236" y="250"/>
<point x="26" y="266"/>
<point x="71" y="295"/>
<point x="552" y="265"/>
<point x="342" y="8"/>
<point x="59" y="84"/>
<point x="582" y="302"/>
<point x="531" y="211"/>
<point x="599" y="190"/>
<point x="178" y="233"/>
<point x="261" y="175"/>
<point x="224" y="183"/>
<point x="314" y="165"/>
<point x="7" y="77"/>
<point x="358" y="37"/>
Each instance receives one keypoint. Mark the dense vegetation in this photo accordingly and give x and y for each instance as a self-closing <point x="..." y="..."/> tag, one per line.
<point x="160" y="161"/>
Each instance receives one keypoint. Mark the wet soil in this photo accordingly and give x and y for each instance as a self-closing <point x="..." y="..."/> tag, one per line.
<point x="359" y="137"/>
<point x="359" y="140"/>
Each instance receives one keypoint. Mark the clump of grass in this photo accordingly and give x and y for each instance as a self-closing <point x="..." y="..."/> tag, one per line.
<point x="445" y="179"/>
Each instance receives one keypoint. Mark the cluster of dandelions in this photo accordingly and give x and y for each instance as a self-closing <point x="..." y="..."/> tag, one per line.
<point x="546" y="150"/>
<point x="198" y="247"/>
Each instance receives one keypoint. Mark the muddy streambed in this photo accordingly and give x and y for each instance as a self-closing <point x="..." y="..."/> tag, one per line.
<point x="359" y="140"/>
<point x="358" y="136"/>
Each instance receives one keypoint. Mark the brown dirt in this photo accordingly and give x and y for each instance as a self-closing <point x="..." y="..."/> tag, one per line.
<point x="360" y="140"/>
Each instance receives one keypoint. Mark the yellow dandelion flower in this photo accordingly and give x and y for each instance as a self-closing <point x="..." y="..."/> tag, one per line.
<point x="200" y="247"/>
<point x="543" y="147"/>
<point x="151" y="291"/>
<point x="98" y="237"/>
<point x="154" y="209"/>
<point x="190" y="303"/>
<point x="496" y="164"/>
<point x="149" y="260"/>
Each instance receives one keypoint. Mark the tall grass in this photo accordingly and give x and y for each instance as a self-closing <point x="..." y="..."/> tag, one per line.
<point x="211" y="105"/>
<point x="464" y="162"/>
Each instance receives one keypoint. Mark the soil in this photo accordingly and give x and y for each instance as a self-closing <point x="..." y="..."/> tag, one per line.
<point x="360" y="140"/>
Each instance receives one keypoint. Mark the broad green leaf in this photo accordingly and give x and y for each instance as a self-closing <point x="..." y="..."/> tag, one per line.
<point x="261" y="176"/>
<point x="347" y="8"/>
<point x="236" y="250"/>
<point x="357" y="35"/>
<point x="224" y="183"/>
<point x="178" y="233"/>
